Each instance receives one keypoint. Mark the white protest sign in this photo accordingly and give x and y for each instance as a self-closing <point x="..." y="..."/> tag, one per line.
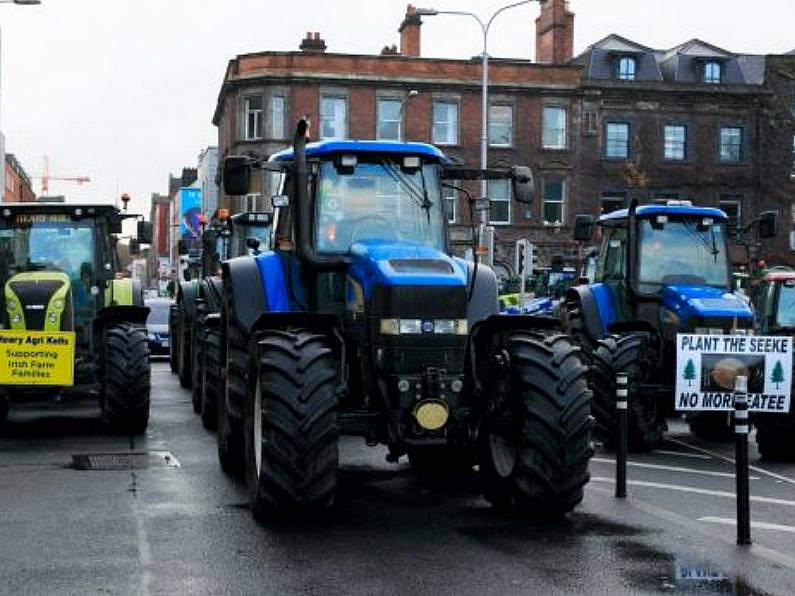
<point x="707" y="365"/>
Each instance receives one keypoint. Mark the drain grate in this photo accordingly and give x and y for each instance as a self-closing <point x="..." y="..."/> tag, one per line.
<point x="124" y="461"/>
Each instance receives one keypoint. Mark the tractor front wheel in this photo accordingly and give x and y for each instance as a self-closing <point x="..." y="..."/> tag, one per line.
<point x="211" y="378"/>
<point x="291" y="423"/>
<point x="185" y="352"/>
<point x="126" y="378"/>
<point x="712" y="426"/>
<point x="636" y="355"/>
<point x="536" y="445"/>
<point x="3" y="409"/>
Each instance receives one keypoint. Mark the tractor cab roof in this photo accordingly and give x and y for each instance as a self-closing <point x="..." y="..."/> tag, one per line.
<point x="675" y="210"/>
<point x="779" y="276"/>
<point x="325" y="149"/>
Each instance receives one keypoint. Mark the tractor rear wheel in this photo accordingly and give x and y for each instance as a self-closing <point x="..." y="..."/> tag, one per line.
<point x="536" y="446"/>
<point x="185" y="352"/>
<point x="3" y="409"/>
<point x="574" y="325"/>
<point x="211" y="378"/>
<point x="775" y="436"/>
<point x="126" y="378"/>
<point x="234" y="389"/>
<point x="197" y="364"/>
<point x="637" y="356"/>
<point x="291" y="423"/>
<point x="173" y="329"/>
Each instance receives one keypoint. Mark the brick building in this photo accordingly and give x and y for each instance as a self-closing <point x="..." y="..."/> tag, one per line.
<point x="619" y="121"/>
<point x="18" y="185"/>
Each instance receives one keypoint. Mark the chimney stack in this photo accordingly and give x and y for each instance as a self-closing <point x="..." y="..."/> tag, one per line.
<point x="410" y="32"/>
<point x="312" y="43"/>
<point x="554" y="33"/>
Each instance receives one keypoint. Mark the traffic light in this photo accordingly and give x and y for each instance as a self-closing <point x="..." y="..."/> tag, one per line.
<point x="520" y="260"/>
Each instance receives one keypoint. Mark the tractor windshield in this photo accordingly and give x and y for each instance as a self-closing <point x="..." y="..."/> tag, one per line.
<point x="47" y="244"/>
<point x="681" y="251"/>
<point x="377" y="201"/>
<point x="785" y="309"/>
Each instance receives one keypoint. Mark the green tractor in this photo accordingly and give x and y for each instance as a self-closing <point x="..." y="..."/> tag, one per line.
<point x="69" y="329"/>
<point x="358" y="321"/>
<point x="196" y="337"/>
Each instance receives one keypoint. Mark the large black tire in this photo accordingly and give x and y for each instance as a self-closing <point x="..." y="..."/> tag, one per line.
<point x="234" y="383"/>
<point x="291" y="423"/>
<point x="712" y="426"/>
<point x="3" y="409"/>
<point x="574" y="326"/>
<point x="637" y="355"/>
<point x="197" y="363"/>
<point x="535" y="452"/>
<point x="185" y="351"/>
<point x="173" y="344"/>
<point x="211" y="378"/>
<point x="126" y="378"/>
<point x="775" y="436"/>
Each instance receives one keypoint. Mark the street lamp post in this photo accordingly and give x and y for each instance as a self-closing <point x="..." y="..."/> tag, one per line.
<point x="485" y="26"/>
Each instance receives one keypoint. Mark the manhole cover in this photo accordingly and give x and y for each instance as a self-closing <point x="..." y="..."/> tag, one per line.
<point x="124" y="461"/>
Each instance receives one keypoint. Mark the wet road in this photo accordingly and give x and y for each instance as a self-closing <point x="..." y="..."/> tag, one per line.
<point x="187" y="529"/>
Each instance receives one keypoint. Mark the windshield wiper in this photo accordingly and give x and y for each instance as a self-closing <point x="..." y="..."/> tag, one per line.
<point x="419" y="194"/>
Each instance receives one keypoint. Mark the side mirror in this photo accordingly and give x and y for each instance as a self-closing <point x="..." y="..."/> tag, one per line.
<point x="237" y="175"/>
<point x="144" y="232"/>
<point x="280" y="201"/>
<point x="583" y="227"/>
<point x="253" y="244"/>
<point x="768" y="224"/>
<point x="522" y="184"/>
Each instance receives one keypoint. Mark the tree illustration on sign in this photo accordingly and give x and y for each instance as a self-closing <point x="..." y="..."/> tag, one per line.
<point x="778" y="374"/>
<point x="690" y="372"/>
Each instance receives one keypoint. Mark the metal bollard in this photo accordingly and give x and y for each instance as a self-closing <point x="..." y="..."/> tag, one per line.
<point x="621" y="440"/>
<point x="741" y="458"/>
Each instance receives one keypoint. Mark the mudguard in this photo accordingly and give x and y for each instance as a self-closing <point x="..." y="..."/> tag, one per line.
<point x="212" y="290"/>
<point x="243" y="286"/>
<point x="121" y="314"/>
<point x="484" y="301"/>
<point x="186" y="297"/>
<point x="593" y="325"/>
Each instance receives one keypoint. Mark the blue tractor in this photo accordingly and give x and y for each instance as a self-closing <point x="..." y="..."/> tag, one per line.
<point x="662" y="269"/>
<point x="358" y="321"/>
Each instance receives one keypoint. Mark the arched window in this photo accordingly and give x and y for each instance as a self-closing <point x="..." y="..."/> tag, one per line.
<point x="712" y="72"/>
<point x="626" y="68"/>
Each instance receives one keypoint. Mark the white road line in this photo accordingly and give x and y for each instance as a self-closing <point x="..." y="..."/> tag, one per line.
<point x="682" y="454"/>
<point x="694" y="490"/>
<point x="605" y="460"/>
<point x="754" y="524"/>
<point x="731" y="461"/>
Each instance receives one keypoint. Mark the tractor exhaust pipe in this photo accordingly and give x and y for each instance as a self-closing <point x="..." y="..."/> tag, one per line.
<point x="303" y="211"/>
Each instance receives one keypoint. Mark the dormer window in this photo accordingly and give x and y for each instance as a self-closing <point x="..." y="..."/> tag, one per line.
<point x="626" y="68"/>
<point x="712" y="72"/>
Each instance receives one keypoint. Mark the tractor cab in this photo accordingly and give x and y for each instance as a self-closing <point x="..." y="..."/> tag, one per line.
<point x="775" y="303"/>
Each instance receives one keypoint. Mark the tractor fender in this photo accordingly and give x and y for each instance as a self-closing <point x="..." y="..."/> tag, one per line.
<point x="213" y="293"/>
<point x="585" y="296"/>
<point x="483" y="333"/>
<point x="484" y="301"/>
<point x="243" y="287"/>
<point x="186" y="297"/>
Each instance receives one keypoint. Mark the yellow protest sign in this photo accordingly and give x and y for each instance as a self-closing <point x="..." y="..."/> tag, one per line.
<point x="37" y="358"/>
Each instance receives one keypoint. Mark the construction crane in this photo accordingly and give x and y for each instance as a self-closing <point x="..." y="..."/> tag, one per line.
<point x="46" y="177"/>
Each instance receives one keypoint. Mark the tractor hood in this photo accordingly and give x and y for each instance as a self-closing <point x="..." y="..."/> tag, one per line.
<point x="378" y="263"/>
<point x="705" y="302"/>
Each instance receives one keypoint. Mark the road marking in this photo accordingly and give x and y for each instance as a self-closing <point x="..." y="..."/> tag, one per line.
<point x="754" y="524"/>
<point x="731" y="461"/>
<point x="694" y="490"/>
<point x="636" y="464"/>
<point x="682" y="454"/>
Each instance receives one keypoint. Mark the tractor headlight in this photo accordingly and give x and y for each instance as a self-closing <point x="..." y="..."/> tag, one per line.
<point x="58" y="304"/>
<point x="53" y="317"/>
<point x="410" y="326"/>
<point x="450" y="326"/>
<point x="11" y="304"/>
<point x="390" y="327"/>
<point x="16" y="319"/>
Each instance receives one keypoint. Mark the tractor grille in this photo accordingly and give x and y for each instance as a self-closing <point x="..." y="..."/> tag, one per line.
<point x="124" y="461"/>
<point x="35" y="296"/>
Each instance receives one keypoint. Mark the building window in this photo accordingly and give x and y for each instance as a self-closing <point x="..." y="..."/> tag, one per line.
<point x="553" y="200"/>
<point x="675" y="142"/>
<point x="445" y="123"/>
<point x="612" y="201"/>
<point x="554" y="128"/>
<point x="731" y="144"/>
<point x="731" y="204"/>
<point x="589" y="123"/>
<point x="333" y="118"/>
<point x="500" y="126"/>
<point x="277" y="117"/>
<point x="627" y="66"/>
<point x="617" y="140"/>
<point x="451" y="203"/>
<point x="499" y="201"/>
<point x="390" y="116"/>
<point x="253" y="118"/>
<point x="712" y="73"/>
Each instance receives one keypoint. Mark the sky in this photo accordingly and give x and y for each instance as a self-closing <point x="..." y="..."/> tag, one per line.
<point x="124" y="91"/>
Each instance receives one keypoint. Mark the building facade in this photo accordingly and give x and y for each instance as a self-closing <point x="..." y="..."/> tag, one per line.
<point x="18" y="187"/>
<point x="206" y="172"/>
